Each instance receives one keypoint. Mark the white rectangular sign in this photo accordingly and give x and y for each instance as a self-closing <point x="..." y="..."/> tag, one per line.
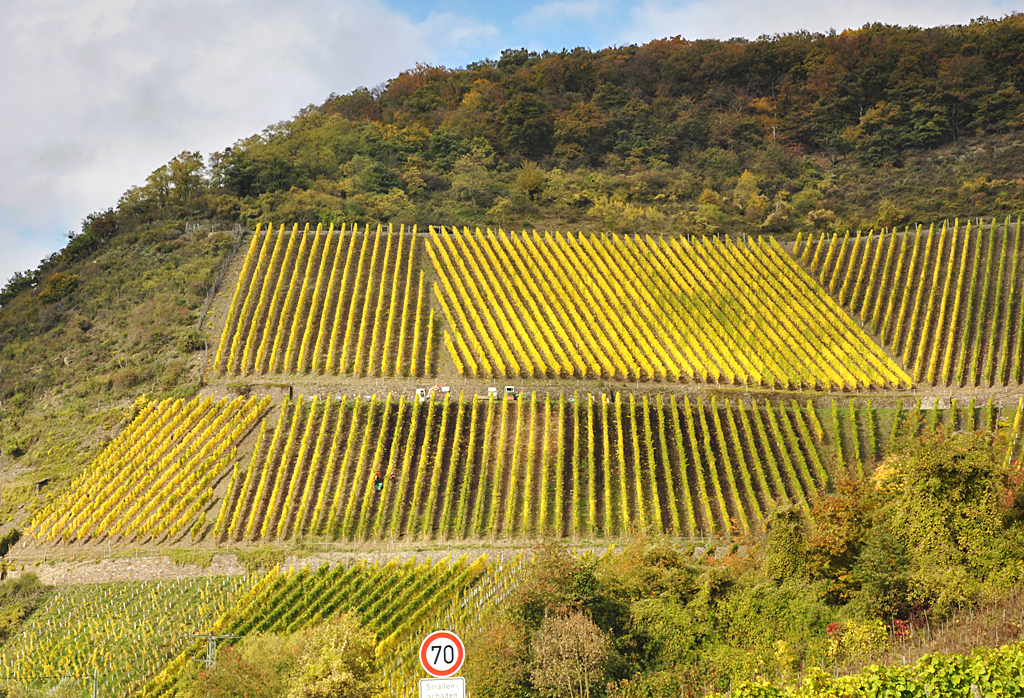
<point x="454" y="687"/>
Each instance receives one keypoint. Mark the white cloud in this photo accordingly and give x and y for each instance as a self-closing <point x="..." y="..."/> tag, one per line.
<point x="725" y="19"/>
<point x="99" y="93"/>
<point x="562" y="11"/>
<point x="462" y="38"/>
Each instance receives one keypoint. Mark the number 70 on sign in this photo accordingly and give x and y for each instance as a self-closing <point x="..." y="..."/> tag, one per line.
<point x="442" y="653"/>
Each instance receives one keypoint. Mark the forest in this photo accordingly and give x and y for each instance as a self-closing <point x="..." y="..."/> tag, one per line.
<point x="873" y="127"/>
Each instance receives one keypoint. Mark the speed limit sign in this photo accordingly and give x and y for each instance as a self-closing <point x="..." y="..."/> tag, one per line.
<point x="442" y="654"/>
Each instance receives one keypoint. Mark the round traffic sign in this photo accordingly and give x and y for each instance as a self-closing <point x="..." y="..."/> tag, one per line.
<point x="442" y="653"/>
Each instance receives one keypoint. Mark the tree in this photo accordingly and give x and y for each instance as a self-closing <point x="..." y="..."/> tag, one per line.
<point x="57" y="287"/>
<point x="498" y="662"/>
<point x="472" y="181"/>
<point x="580" y="129"/>
<point x="559" y="583"/>
<point x="945" y="507"/>
<point x="569" y="656"/>
<point x="526" y="124"/>
<point x="338" y="662"/>
<point x="335" y="659"/>
<point x="881" y="136"/>
<point x="748" y="197"/>
<point x="785" y="545"/>
<point x="258" y="667"/>
<point x="185" y="172"/>
<point x="841" y="522"/>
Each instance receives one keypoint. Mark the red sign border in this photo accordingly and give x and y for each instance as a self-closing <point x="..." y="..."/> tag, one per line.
<point x="447" y="634"/>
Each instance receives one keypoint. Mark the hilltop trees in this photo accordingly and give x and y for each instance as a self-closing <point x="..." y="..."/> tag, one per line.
<point x="649" y="119"/>
<point x="640" y="131"/>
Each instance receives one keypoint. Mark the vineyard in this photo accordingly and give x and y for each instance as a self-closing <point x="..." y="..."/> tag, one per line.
<point x="597" y="306"/>
<point x="542" y="466"/>
<point x="156" y="477"/>
<point x="355" y="469"/>
<point x="122" y="633"/>
<point x="310" y="303"/>
<point x="947" y="301"/>
<point x="372" y="469"/>
<point x="672" y="430"/>
<point x="132" y="636"/>
<point x="398" y="602"/>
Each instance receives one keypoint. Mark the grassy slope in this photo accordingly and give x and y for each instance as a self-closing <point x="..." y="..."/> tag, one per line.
<point x="71" y="369"/>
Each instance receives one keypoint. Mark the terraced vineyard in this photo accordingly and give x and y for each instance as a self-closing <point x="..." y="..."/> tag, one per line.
<point x="121" y="633"/>
<point x="947" y="301"/>
<point x="400" y="603"/>
<point x="156" y="477"/>
<point x="598" y="306"/>
<point x="370" y="469"/>
<point x="310" y="304"/>
<point x="132" y="636"/>
<point x="352" y="469"/>
<point x="478" y="468"/>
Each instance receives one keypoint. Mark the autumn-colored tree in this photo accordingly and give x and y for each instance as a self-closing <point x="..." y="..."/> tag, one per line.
<point x="570" y="654"/>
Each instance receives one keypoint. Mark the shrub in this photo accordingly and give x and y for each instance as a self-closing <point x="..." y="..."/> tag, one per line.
<point x="570" y="656"/>
<point x="338" y="662"/>
<point x="498" y="662"/>
<point x="8" y="540"/>
<point x="16" y="446"/>
<point x="944" y="491"/>
<point x="786" y="545"/>
<point x="131" y="376"/>
<point x="18" y="598"/>
<point x="57" y="287"/>
<point x="190" y="340"/>
<point x="332" y="660"/>
<point x="260" y="666"/>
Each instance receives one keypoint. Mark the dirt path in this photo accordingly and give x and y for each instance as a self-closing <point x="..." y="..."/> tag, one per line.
<point x="278" y="386"/>
<point x="150" y="565"/>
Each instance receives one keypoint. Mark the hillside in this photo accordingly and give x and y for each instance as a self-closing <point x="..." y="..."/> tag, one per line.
<point x="757" y="305"/>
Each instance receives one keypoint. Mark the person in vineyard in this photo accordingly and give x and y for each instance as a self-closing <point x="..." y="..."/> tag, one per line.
<point x="378" y="482"/>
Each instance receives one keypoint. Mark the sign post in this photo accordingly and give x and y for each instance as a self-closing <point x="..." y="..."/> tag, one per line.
<point x="442" y="654"/>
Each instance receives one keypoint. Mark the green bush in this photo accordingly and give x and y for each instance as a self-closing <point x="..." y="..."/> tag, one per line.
<point x="985" y="672"/>
<point x="19" y="596"/>
<point x="190" y="340"/>
<point x="942" y="500"/>
<point x="16" y="446"/>
<point x="260" y="666"/>
<point x="57" y="287"/>
<point x="332" y="660"/>
<point x="786" y="547"/>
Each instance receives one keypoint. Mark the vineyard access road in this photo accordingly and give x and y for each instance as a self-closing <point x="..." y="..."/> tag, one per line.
<point x="151" y="565"/>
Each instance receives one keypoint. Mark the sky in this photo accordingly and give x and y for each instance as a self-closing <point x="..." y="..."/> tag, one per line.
<point x="96" y="94"/>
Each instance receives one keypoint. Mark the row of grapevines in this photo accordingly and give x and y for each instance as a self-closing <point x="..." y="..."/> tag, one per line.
<point x="948" y="302"/>
<point x="156" y="477"/>
<point x="466" y="467"/>
<point x="392" y="600"/>
<point x="119" y="632"/>
<point x="305" y="302"/>
<point x="468" y="616"/>
<point x="458" y="467"/>
<point x="600" y="306"/>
